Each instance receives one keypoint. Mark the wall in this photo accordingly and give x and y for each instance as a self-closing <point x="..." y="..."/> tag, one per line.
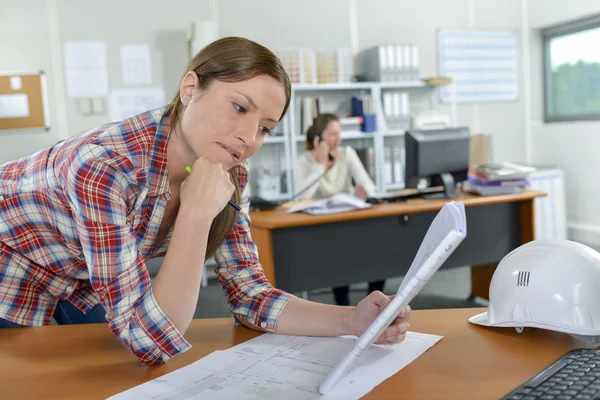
<point x="159" y="24"/>
<point x="272" y="23"/>
<point x="317" y="24"/>
<point x="25" y="47"/>
<point x="418" y="22"/>
<point x="570" y="145"/>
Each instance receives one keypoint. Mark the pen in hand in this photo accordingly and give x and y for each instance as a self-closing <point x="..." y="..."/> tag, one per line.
<point x="231" y="202"/>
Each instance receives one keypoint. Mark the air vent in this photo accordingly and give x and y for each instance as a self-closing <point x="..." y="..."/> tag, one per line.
<point x="523" y="278"/>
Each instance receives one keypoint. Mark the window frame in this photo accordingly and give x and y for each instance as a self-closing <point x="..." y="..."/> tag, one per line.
<point x="547" y="35"/>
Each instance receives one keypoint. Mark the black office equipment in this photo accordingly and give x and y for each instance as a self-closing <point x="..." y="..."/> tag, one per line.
<point x="575" y="375"/>
<point x="405" y="194"/>
<point x="442" y="155"/>
<point x="260" y="204"/>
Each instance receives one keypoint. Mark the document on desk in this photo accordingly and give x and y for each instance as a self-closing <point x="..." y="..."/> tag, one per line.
<point x="283" y="367"/>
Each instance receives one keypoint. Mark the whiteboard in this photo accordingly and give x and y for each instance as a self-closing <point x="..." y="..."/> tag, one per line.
<point x="482" y="65"/>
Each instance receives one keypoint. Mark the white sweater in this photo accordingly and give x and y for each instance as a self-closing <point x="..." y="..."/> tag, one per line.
<point x="338" y="178"/>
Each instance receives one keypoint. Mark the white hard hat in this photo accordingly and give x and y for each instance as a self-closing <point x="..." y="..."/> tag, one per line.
<point x="548" y="284"/>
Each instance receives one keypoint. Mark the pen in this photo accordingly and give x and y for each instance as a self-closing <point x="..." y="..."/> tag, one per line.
<point x="231" y="203"/>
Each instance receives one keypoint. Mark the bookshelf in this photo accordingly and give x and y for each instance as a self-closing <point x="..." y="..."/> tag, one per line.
<point x="282" y="152"/>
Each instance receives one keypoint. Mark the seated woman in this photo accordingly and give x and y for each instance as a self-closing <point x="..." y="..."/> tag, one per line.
<point x="337" y="166"/>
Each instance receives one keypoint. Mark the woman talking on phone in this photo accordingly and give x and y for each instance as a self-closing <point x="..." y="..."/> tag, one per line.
<point x="328" y="168"/>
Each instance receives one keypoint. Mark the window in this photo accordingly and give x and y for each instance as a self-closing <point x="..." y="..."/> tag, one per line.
<point x="572" y="71"/>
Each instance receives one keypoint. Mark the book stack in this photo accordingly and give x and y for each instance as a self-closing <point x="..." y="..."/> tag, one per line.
<point x="495" y="179"/>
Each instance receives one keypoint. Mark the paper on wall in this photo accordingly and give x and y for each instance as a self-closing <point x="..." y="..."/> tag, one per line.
<point x="14" y="105"/>
<point x="135" y="64"/>
<point x="125" y="103"/>
<point x="16" y="83"/>
<point x="86" y="69"/>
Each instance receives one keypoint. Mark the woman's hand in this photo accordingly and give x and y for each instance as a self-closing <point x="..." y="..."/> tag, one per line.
<point x="369" y="308"/>
<point x="207" y="189"/>
<point x="359" y="191"/>
<point x="321" y="152"/>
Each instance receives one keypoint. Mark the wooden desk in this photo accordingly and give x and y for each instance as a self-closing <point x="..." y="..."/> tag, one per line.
<point x="302" y="252"/>
<point x="87" y="361"/>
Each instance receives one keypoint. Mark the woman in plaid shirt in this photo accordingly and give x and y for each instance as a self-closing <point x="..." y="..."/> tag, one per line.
<point x="79" y="219"/>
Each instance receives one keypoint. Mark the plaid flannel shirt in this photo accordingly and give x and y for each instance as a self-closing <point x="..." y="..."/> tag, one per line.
<point x="79" y="219"/>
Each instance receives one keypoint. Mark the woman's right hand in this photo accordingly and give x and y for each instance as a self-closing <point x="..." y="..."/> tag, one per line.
<point x="321" y="150"/>
<point x="207" y="189"/>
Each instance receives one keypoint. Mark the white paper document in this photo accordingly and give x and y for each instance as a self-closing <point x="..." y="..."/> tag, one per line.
<point x="282" y="367"/>
<point x="16" y="83"/>
<point x="445" y="233"/>
<point x="14" y="105"/>
<point x="86" y="69"/>
<point x="135" y="64"/>
<point x="125" y="103"/>
<point x="338" y="203"/>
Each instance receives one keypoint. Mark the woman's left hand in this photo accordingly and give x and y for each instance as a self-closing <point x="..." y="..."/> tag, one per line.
<point x="359" y="191"/>
<point x="369" y="308"/>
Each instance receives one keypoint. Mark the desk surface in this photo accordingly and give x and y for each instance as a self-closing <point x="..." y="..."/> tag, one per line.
<point x="87" y="361"/>
<point x="274" y="219"/>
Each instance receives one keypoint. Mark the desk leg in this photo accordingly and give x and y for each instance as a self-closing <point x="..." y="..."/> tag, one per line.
<point x="481" y="275"/>
<point x="264" y="242"/>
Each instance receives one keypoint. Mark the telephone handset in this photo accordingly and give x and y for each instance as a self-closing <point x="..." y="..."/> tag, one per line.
<point x="330" y="156"/>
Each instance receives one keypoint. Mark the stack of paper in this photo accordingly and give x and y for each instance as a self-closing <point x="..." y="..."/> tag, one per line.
<point x="338" y="203"/>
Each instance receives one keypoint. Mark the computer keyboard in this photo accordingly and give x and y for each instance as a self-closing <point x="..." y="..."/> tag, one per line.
<point x="574" y="376"/>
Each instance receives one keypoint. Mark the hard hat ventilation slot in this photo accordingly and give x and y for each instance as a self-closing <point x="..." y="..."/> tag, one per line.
<point x="523" y="278"/>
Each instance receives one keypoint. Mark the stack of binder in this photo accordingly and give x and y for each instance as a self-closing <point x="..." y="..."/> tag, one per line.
<point x="389" y="63"/>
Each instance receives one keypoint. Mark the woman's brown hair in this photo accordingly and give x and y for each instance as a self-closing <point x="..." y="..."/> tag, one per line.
<point x="231" y="59"/>
<point x="318" y="127"/>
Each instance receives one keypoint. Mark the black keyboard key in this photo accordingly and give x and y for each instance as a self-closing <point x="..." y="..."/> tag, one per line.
<point x="589" y="391"/>
<point x="554" y="392"/>
<point x="571" y="392"/>
<point x="560" y="387"/>
<point x="564" y="397"/>
<point x="547" y="397"/>
<point x="525" y="390"/>
<point x="577" y="387"/>
<point x="583" y="397"/>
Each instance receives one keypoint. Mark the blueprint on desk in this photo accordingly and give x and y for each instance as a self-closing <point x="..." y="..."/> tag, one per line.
<point x="282" y="367"/>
